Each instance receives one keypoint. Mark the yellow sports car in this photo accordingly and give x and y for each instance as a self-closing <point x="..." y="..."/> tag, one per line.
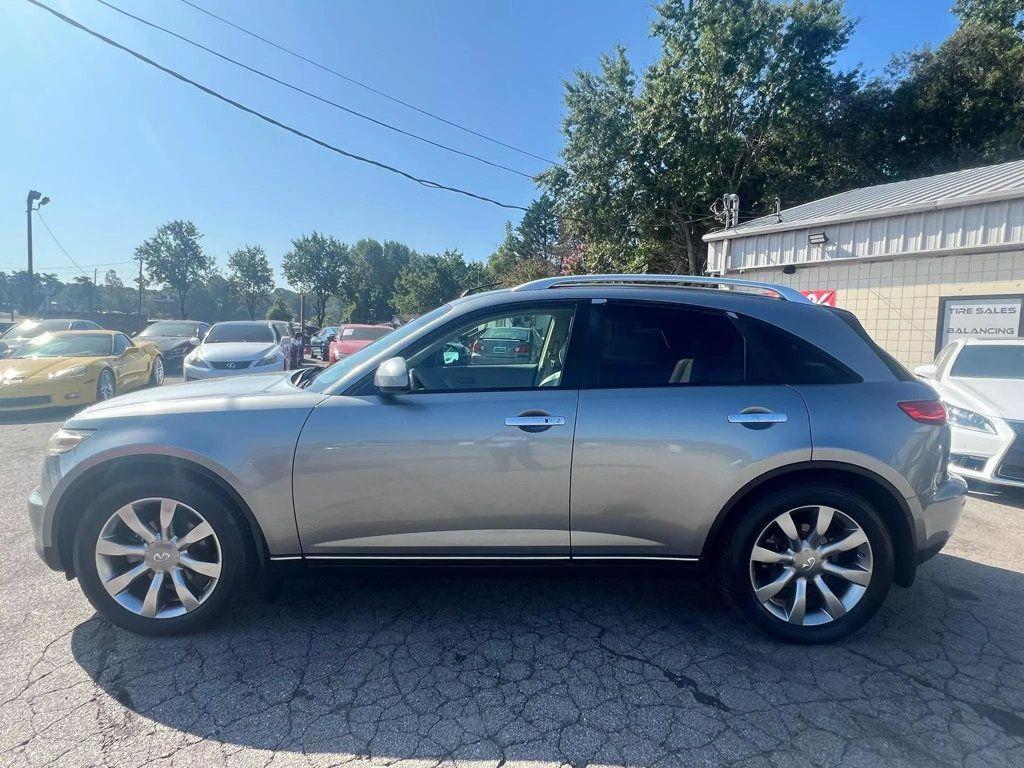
<point x="70" y="368"/>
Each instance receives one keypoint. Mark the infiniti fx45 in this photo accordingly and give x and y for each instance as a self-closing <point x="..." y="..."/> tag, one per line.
<point x="745" y="430"/>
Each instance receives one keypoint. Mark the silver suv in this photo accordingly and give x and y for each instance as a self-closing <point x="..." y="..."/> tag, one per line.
<point x="662" y="419"/>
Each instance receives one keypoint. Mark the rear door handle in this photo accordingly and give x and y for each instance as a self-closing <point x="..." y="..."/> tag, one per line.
<point x="758" y="418"/>
<point x="535" y="421"/>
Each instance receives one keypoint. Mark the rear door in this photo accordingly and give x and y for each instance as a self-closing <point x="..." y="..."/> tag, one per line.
<point x="671" y="423"/>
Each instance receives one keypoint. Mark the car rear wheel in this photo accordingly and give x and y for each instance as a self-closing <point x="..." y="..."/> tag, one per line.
<point x="106" y="386"/>
<point x="156" y="375"/>
<point x="160" y="558"/>
<point x="809" y="565"/>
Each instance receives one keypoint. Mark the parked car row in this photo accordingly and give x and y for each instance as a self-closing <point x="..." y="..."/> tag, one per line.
<point x="335" y="342"/>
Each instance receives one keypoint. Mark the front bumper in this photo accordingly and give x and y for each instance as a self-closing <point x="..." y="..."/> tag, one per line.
<point x="982" y="456"/>
<point x="938" y="517"/>
<point x="193" y="373"/>
<point x="32" y="395"/>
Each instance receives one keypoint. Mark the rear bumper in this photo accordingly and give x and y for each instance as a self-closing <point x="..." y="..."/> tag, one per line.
<point x="938" y="518"/>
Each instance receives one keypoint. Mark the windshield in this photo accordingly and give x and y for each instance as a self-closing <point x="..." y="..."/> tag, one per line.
<point x="28" y="329"/>
<point x="66" y="346"/>
<point x="226" y="332"/>
<point x="996" y="361"/>
<point x="340" y="369"/>
<point x="362" y="334"/>
<point x="169" y="329"/>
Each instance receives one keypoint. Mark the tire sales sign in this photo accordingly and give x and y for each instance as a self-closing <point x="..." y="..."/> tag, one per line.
<point x="988" y="318"/>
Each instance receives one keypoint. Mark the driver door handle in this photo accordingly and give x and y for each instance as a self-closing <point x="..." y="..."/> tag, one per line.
<point x="535" y="421"/>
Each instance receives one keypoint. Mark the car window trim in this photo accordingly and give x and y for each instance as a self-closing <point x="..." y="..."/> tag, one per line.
<point x="570" y="378"/>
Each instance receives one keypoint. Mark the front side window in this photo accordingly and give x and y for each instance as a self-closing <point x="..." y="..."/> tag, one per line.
<point x="658" y="346"/>
<point x="520" y="349"/>
<point x="121" y="343"/>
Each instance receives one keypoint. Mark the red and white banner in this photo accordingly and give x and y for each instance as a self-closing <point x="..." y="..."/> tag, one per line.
<point x="826" y="296"/>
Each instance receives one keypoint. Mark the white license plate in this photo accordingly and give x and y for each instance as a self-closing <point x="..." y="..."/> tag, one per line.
<point x="500" y="350"/>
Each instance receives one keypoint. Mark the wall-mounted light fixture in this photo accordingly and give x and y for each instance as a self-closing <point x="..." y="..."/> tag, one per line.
<point x="817" y="238"/>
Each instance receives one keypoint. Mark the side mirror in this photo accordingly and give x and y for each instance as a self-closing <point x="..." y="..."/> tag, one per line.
<point x="286" y="340"/>
<point x="928" y="371"/>
<point x="392" y="377"/>
<point x="195" y="341"/>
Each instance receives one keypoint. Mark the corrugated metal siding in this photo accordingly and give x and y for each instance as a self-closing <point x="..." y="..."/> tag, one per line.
<point x="983" y="225"/>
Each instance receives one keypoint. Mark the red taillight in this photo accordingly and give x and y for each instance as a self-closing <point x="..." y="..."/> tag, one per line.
<point x="522" y="349"/>
<point x="925" y="411"/>
<point x="477" y="347"/>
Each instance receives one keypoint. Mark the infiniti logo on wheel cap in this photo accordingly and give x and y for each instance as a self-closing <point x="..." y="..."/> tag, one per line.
<point x="161" y="557"/>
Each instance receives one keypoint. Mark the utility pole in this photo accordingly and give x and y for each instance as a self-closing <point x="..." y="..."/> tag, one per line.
<point x="95" y="289"/>
<point x="29" y="207"/>
<point x="140" y="288"/>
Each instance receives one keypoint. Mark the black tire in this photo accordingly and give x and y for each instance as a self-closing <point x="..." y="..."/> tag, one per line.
<point x="734" y="572"/>
<point x="236" y="555"/>
<point x="152" y="374"/>
<point x="106" y="375"/>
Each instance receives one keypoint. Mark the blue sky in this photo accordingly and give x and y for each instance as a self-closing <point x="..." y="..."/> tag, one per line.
<point x="121" y="148"/>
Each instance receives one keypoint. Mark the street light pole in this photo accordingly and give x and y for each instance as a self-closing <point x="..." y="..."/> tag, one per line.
<point x="29" y="207"/>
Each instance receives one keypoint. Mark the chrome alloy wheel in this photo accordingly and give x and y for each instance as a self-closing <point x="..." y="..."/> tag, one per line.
<point x="158" y="371"/>
<point x="158" y="558"/>
<point x="106" y="386"/>
<point x="810" y="565"/>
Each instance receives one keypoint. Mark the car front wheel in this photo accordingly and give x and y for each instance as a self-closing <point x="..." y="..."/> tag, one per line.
<point x="809" y="565"/>
<point x="160" y="558"/>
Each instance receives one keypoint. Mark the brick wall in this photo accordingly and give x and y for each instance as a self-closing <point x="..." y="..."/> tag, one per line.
<point x="898" y="300"/>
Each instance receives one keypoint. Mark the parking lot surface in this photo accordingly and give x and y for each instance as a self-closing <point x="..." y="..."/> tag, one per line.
<point x="506" y="668"/>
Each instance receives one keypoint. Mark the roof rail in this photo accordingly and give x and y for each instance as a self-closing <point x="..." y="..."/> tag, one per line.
<point x="781" y="291"/>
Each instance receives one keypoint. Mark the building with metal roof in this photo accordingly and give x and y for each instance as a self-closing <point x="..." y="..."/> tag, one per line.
<point x="920" y="262"/>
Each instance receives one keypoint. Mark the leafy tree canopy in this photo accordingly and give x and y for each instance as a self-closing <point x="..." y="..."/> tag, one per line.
<point x="174" y="257"/>
<point x="317" y="265"/>
<point x="429" y="281"/>
<point x="251" y="276"/>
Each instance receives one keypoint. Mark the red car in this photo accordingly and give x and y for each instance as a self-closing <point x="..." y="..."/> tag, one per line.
<point x="353" y="337"/>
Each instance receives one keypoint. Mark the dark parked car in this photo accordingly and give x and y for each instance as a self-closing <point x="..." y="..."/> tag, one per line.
<point x="174" y="338"/>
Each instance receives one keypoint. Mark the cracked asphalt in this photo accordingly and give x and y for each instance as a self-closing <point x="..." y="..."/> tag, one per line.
<point x="499" y="668"/>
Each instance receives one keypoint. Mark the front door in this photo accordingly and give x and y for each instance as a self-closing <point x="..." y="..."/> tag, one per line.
<point x="473" y="462"/>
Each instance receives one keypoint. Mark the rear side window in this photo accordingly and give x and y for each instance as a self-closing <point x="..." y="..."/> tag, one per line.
<point x="890" y="362"/>
<point x="652" y="346"/>
<point x="660" y="345"/>
<point x="778" y="357"/>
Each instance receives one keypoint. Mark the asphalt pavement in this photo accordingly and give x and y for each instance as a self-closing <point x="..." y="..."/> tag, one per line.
<point x="507" y="668"/>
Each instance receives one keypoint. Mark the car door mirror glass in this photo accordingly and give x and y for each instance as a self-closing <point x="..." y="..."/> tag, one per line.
<point x="392" y="377"/>
<point x="928" y="371"/>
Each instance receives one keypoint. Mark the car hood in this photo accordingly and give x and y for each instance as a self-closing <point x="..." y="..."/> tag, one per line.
<point x="235" y="350"/>
<point x="164" y="343"/>
<point x="990" y="397"/>
<point x="39" y="366"/>
<point x="249" y="392"/>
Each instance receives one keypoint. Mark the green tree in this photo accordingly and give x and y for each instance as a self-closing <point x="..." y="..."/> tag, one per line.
<point x="279" y="310"/>
<point x="537" y="247"/>
<point x="251" y="276"/>
<point x="317" y="266"/>
<point x="428" y="281"/>
<point x="370" y="283"/>
<point x="45" y="288"/>
<point x="174" y="257"/>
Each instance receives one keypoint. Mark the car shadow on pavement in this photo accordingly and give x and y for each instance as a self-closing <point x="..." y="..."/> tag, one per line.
<point x="578" y="667"/>
<point x="38" y="416"/>
<point x="1011" y="497"/>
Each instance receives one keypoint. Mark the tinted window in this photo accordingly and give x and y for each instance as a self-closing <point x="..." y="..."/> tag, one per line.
<point x="663" y="346"/>
<point x="362" y="334"/>
<point x="228" y="332"/>
<point x="775" y="356"/>
<point x="187" y="330"/>
<point x="31" y="328"/>
<point x="121" y="343"/>
<point x="995" y="361"/>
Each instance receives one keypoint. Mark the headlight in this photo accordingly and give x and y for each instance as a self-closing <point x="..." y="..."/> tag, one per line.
<point x="74" y="372"/>
<point x="268" y="360"/>
<point x="961" y="417"/>
<point x="64" y="440"/>
<point x="196" y="361"/>
<point x="181" y="348"/>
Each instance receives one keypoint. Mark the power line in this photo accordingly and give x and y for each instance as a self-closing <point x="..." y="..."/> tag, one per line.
<point x="64" y="268"/>
<point x="319" y="98"/>
<point x="39" y="215"/>
<point x="266" y="118"/>
<point x="370" y="88"/>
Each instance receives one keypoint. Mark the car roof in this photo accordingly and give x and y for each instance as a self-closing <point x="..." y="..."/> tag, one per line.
<point x="86" y="332"/>
<point x="363" y="325"/>
<point x="248" y="322"/>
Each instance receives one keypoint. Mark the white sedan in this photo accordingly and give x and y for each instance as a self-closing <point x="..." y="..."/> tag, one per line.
<point x="237" y="347"/>
<point x="982" y="384"/>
